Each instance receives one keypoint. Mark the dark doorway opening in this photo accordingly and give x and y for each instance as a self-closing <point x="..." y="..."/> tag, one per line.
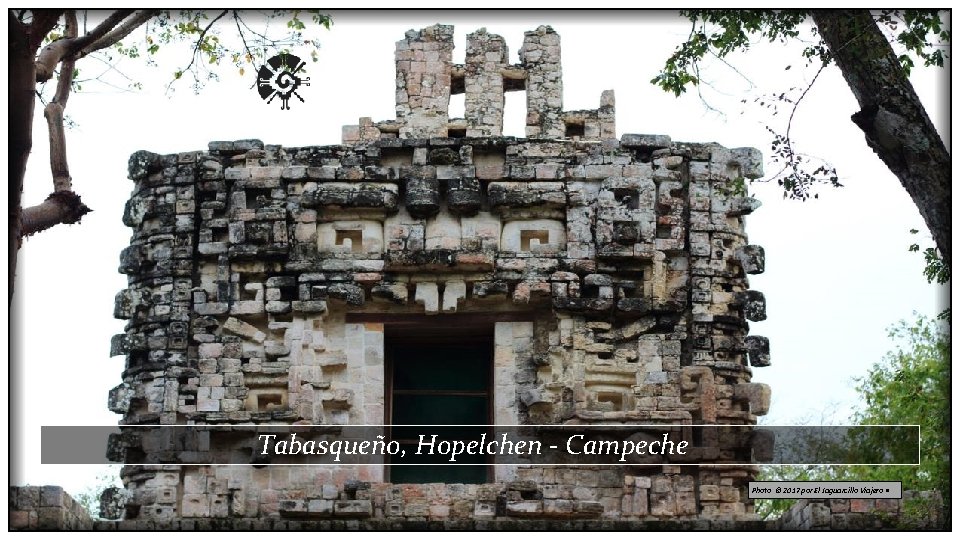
<point x="439" y="382"/>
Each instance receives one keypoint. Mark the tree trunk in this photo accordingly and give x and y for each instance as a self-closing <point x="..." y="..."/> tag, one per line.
<point x="21" y="85"/>
<point x="891" y="116"/>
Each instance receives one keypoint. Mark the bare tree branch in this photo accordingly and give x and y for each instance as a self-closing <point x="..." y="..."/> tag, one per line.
<point x="103" y="28"/>
<point x="791" y="161"/>
<point x="119" y="32"/>
<point x="108" y="68"/>
<point x="236" y="21"/>
<point x="59" y="168"/>
<point x="196" y="49"/>
<point x="264" y="39"/>
<point x="52" y="54"/>
<point x="732" y="67"/>
<point x="60" y="207"/>
<point x="64" y="82"/>
<point x="203" y="33"/>
<point x="53" y="112"/>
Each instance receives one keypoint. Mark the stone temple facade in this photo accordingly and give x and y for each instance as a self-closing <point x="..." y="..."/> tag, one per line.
<point x="569" y="277"/>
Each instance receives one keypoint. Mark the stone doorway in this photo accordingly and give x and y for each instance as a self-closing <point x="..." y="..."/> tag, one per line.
<point x="439" y="372"/>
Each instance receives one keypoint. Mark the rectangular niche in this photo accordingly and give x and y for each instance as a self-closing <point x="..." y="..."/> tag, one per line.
<point x="396" y="157"/>
<point x="534" y="236"/>
<point x="266" y="400"/>
<point x="609" y="397"/>
<point x="489" y="155"/>
<point x="351" y="237"/>
<point x="634" y="283"/>
<point x="574" y="130"/>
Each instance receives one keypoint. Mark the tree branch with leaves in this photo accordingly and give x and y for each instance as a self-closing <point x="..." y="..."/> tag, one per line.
<point x="47" y="44"/>
<point x="894" y="122"/>
<point x="909" y="386"/>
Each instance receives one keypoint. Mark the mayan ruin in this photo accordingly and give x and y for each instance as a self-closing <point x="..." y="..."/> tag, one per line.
<point x="429" y="270"/>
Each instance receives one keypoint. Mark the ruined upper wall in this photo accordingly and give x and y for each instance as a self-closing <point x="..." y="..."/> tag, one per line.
<point x="427" y="77"/>
<point x="616" y="273"/>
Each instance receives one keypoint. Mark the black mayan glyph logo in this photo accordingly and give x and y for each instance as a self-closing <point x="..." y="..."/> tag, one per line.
<point x="281" y="76"/>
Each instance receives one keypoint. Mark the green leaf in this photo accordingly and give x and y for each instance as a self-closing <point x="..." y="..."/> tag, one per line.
<point x="909" y="385"/>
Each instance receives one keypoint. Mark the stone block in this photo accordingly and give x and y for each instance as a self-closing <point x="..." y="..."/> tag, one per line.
<point x="650" y="142"/>
<point x="524" y="508"/>
<point x="320" y="507"/>
<point x="353" y="508"/>
<point x="752" y="259"/>
<point x="758" y="350"/>
<point x="756" y="394"/>
<point x="860" y="506"/>
<point x="428" y="294"/>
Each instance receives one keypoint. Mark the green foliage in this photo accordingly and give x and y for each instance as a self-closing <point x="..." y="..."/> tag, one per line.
<point x="216" y="37"/>
<point x="920" y="513"/>
<point x="910" y="386"/>
<point x="798" y="172"/>
<point x="917" y="27"/>
<point x="935" y="269"/>
<point x="735" y="187"/>
<point x="769" y="509"/>
<point x="213" y="47"/>
<point x="89" y="498"/>
<point x="719" y="33"/>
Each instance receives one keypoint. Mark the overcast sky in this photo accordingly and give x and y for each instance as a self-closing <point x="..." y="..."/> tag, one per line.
<point x="838" y="270"/>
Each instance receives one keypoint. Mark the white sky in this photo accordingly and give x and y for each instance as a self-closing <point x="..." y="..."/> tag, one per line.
<point x="838" y="270"/>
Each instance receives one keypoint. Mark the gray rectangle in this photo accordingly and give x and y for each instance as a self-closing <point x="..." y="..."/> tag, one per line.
<point x="75" y="445"/>
<point x="578" y="445"/>
<point x="825" y="490"/>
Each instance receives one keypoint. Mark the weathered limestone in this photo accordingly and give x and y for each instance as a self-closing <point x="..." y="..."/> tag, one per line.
<point x="917" y="510"/>
<point x="472" y="507"/>
<point x="484" y="81"/>
<point x="426" y="78"/>
<point x="540" y="55"/>
<point x="45" y="508"/>
<point x="423" y="81"/>
<point x="263" y="281"/>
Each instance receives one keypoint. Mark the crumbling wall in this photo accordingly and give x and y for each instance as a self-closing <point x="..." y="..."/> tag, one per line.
<point x="45" y="508"/>
<point x="917" y="510"/>
<point x="619" y="267"/>
<point x="442" y="507"/>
